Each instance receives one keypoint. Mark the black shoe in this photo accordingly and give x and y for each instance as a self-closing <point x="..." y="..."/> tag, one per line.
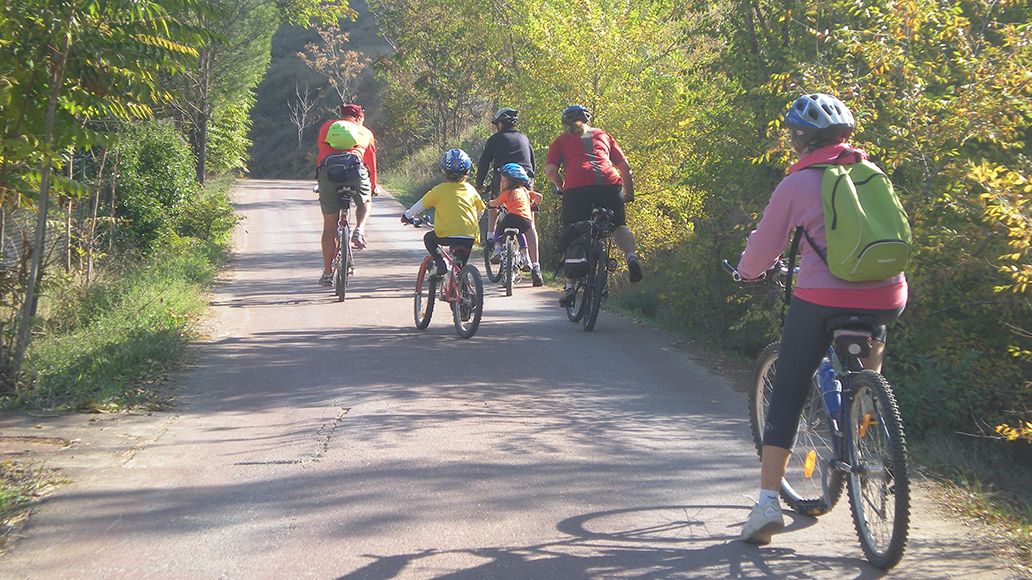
<point x="568" y="298"/>
<point x="634" y="267"/>
<point x="535" y="277"/>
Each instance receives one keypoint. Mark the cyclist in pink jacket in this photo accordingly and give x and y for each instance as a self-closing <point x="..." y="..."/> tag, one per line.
<point x="820" y="125"/>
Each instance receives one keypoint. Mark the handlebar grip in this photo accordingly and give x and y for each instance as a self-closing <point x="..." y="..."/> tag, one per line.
<point x="731" y="270"/>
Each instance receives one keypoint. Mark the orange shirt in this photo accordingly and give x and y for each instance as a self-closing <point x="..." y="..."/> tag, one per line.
<point x="366" y="147"/>
<point x="516" y="201"/>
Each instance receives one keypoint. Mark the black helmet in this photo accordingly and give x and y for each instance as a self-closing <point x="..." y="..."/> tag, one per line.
<point x="817" y="120"/>
<point x="507" y="117"/>
<point x="575" y="113"/>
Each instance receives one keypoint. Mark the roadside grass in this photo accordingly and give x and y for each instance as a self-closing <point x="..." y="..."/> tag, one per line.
<point x="106" y="347"/>
<point x="21" y="486"/>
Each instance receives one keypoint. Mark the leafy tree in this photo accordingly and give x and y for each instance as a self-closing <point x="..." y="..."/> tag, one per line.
<point x="82" y="59"/>
<point x="341" y="66"/>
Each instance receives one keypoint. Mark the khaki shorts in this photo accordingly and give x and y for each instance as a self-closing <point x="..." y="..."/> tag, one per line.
<point x="329" y="199"/>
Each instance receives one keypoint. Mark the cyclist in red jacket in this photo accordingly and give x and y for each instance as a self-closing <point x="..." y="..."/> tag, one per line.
<point x="365" y="148"/>
<point x="595" y="174"/>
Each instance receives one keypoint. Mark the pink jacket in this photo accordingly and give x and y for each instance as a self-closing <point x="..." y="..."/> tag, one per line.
<point x="797" y="202"/>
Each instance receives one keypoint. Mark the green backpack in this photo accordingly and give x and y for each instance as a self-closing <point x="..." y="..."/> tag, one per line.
<point x="342" y="135"/>
<point x="867" y="230"/>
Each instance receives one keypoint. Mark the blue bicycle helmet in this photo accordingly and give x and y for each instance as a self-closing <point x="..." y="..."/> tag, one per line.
<point x="817" y="120"/>
<point x="575" y="113"/>
<point x="515" y="171"/>
<point x="456" y="161"/>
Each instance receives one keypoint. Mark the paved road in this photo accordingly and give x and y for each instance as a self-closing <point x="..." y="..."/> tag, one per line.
<point x="334" y="441"/>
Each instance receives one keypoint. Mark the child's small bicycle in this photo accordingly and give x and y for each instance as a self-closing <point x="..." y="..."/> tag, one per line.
<point x="461" y="287"/>
<point x="850" y="432"/>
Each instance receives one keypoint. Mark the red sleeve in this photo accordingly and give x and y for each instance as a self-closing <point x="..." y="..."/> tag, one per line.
<point x="616" y="154"/>
<point x="324" y="147"/>
<point x="555" y="153"/>
<point x="369" y="159"/>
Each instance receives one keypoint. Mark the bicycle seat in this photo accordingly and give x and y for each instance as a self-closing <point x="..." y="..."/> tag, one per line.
<point x="851" y="322"/>
<point x="852" y="333"/>
<point x="512" y="231"/>
<point x="598" y="211"/>
<point x="459" y="252"/>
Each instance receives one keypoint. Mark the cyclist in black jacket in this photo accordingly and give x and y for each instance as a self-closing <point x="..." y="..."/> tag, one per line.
<point x="507" y="145"/>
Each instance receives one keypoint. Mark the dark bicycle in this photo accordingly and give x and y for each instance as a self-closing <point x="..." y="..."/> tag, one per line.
<point x="592" y="287"/>
<point x="344" y="261"/>
<point x="850" y="431"/>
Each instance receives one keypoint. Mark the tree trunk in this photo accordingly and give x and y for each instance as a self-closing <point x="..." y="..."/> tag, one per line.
<point x="56" y="80"/>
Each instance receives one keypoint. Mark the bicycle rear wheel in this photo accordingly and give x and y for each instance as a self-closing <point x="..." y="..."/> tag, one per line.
<point x="425" y="292"/>
<point x="809" y="486"/>
<point x="593" y="297"/>
<point x="879" y="484"/>
<point x="342" y="263"/>
<point x="509" y="263"/>
<point x="494" y="271"/>
<point x="575" y="311"/>
<point x="469" y="307"/>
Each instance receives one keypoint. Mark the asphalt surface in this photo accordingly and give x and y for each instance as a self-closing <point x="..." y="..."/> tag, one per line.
<point x="328" y="440"/>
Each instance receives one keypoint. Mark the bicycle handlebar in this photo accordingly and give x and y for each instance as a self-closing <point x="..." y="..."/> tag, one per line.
<point x="416" y="221"/>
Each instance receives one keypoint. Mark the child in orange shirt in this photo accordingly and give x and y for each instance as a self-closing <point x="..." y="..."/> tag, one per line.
<point x="518" y="199"/>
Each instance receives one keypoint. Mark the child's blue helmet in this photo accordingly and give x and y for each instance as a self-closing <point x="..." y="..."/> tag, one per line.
<point x="515" y="171"/>
<point x="456" y="161"/>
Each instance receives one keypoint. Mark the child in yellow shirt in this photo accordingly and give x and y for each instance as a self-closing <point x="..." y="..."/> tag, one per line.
<point x="457" y="211"/>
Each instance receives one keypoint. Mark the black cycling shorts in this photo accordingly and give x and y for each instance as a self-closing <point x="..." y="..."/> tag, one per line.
<point x="579" y="201"/>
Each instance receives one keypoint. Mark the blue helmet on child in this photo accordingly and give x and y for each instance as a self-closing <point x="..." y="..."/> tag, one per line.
<point x="456" y="161"/>
<point x="515" y="171"/>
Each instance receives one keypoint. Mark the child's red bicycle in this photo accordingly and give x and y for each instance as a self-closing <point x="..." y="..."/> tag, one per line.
<point x="461" y="287"/>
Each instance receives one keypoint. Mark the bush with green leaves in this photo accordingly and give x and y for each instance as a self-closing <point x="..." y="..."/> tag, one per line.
<point x="155" y="180"/>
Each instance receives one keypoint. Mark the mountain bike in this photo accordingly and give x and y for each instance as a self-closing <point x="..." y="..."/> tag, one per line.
<point x="461" y="287"/>
<point x="592" y="288"/>
<point x="850" y="432"/>
<point x="343" y="263"/>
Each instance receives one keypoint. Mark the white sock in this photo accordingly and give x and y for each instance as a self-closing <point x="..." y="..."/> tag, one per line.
<point x="535" y="266"/>
<point x="766" y="494"/>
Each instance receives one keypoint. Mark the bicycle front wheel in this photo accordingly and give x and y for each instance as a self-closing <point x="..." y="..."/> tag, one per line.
<point x="425" y="294"/>
<point x="509" y="263"/>
<point x="594" y="297"/>
<point x="494" y="271"/>
<point x="879" y="482"/>
<point x="342" y="263"/>
<point x="810" y="486"/>
<point x="469" y="306"/>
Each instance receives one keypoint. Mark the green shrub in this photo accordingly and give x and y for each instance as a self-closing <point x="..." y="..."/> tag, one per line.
<point x="155" y="178"/>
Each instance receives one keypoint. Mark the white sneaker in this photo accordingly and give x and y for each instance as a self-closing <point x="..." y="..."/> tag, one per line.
<point x="765" y="520"/>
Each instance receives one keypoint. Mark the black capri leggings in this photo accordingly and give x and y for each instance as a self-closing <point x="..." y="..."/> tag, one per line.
<point x="433" y="245"/>
<point x="804" y="342"/>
